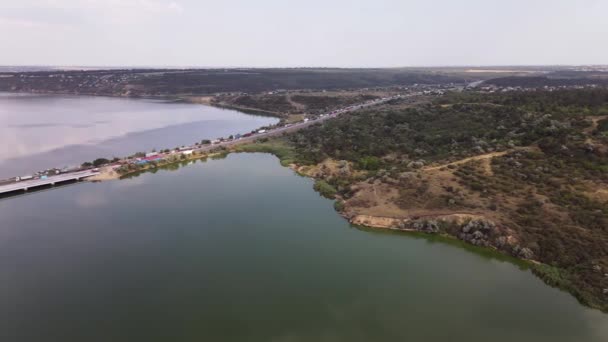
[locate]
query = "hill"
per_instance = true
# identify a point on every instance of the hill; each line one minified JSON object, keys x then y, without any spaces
{"x":523,"y":172}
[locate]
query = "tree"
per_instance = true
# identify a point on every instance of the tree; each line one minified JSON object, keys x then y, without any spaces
{"x":100,"y":161}
{"x":369,"y":163}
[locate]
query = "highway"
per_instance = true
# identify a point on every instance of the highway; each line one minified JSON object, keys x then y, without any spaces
{"x":295,"y":126}
{"x":52,"y":180}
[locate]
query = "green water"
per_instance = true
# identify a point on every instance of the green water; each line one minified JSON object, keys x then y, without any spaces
{"x":241,"y":249}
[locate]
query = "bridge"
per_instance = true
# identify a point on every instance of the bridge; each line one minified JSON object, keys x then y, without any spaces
{"x":35,"y":183}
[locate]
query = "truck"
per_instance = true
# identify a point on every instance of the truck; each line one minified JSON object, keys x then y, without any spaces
{"x":24,"y":178}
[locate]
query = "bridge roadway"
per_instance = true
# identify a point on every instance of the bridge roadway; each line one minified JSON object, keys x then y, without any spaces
{"x":52,"y":180}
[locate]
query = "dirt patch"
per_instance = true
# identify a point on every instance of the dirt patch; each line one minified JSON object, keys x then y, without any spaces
{"x":396,"y":223}
{"x":206,"y":100}
{"x":298,"y":106}
{"x":481,"y":157}
{"x":328,"y":168}
{"x":600,"y":195}
{"x":594,"y":122}
{"x":375,"y":221}
{"x":105,"y":174}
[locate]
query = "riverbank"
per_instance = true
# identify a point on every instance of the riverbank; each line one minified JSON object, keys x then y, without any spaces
{"x":60,"y":133}
{"x":447,"y":225}
{"x":247,"y":220}
{"x":135,"y":164}
{"x":473,"y":229}
{"x":550,"y":275}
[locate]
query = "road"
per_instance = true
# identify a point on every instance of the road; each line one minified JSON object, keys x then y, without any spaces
{"x":33,"y":183}
{"x":296,"y":126}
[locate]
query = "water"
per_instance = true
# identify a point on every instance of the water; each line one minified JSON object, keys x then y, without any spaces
{"x":242,"y":249}
{"x":42,"y":131}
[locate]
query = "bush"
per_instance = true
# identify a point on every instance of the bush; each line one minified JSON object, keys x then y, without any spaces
{"x":100,"y":161}
{"x":602,"y":125}
{"x":369,"y":163}
{"x":325,"y":189}
{"x":339,"y":205}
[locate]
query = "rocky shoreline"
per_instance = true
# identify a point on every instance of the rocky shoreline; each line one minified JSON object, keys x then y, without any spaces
{"x":469,"y":228}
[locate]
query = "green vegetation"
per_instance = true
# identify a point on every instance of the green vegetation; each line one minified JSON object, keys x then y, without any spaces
{"x":293,"y":103}
{"x":560,"y":104}
{"x":602,"y":128}
{"x":100,"y":161}
{"x":561,"y":279}
{"x":602,"y":125}
{"x":559,"y":79}
{"x":540,"y":191}
{"x":269,"y":103}
{"x":325,"y":189}
{"x":321,"y":103}
{"x":339,"y":205}
{"x":369,"y":163}
{"x":278,"y":147}
{"x":222,"y":154}
{"x":554,"y":213}
{"x":430,"y":132}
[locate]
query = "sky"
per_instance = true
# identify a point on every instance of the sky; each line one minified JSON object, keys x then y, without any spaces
{"x":311,"y":33}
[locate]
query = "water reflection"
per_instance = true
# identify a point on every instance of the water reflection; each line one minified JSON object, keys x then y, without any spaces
{"x":42,"y":131}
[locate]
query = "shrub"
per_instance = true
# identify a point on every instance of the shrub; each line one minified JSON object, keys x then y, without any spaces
{"x":325,"y":189}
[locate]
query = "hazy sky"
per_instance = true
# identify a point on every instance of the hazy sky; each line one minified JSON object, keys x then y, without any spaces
{"x":303,"y":33}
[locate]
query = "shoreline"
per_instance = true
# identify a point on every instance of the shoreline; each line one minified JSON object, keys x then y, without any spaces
{"x":545,"y":272}
{"x":548,"y":274}
{"x":190,"y":100}
{"x":387,"y":224}
{"x":205,"y":100}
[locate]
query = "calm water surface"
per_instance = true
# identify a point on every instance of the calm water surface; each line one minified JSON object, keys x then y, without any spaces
{"x":42,"y":131}
{"x":242,"y":249}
